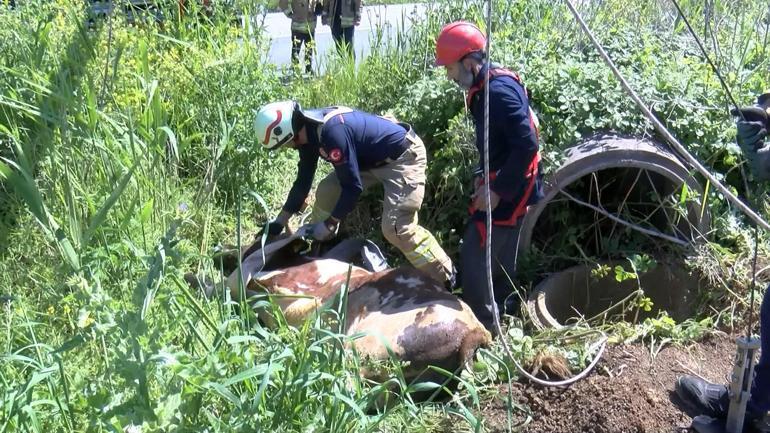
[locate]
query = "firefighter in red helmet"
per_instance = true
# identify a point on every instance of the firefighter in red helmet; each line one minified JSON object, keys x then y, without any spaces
{"x":514,"y":163}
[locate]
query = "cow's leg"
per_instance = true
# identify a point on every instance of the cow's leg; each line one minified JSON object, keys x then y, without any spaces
{"x":361,"y":252}
{"x":404,"y":183}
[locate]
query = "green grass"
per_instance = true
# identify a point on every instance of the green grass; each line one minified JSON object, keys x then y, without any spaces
{"x":127,"y":156}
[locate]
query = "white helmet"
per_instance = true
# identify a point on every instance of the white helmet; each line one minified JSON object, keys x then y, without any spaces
{"x":273,"y":123}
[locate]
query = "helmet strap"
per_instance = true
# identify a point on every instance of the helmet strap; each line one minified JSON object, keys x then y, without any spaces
{"x":478,"y":56}
{"x":297,"y":120}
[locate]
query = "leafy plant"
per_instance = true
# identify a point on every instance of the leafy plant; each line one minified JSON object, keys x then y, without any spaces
{"x":127,"y":154}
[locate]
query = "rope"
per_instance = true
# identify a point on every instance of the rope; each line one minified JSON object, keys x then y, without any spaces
{"x":708,"y":59}
{"x":740,"y":113}
{"x":488,"y":244}
{"x":487,"y":195}
{"x":662,"y":129}
{"x":621,"y":221}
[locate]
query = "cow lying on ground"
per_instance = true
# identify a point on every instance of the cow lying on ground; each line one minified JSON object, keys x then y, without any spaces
{"x":422,"y":323}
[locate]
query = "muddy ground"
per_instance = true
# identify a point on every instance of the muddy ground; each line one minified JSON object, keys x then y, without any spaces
{"x":629,"y":391}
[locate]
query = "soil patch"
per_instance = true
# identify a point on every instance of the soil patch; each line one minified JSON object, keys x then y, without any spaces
{"x":629,"y":391}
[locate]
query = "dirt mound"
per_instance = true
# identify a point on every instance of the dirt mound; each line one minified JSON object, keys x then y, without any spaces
{"x":629,"y":391}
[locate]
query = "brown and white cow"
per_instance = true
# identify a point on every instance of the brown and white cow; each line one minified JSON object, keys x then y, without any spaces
{"x":422,"y":323}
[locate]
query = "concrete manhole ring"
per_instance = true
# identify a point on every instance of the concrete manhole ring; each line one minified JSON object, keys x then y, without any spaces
{"x":571,"y":292}
{"x":575,"y":293}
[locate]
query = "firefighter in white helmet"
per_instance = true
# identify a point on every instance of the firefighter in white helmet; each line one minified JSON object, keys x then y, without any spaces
{"x":365,"y":150}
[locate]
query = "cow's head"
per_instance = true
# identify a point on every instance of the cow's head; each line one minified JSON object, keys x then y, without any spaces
{"x":295,"y":281}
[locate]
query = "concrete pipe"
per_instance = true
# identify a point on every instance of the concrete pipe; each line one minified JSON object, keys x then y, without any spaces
{"x":589,"y":166}
{"x":609,"y":152}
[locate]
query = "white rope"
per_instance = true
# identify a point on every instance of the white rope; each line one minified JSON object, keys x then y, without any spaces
{"x":487,"y":195}
{"x":488,"y":241}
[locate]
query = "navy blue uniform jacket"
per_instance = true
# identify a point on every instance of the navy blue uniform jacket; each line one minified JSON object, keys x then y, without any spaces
{"x":512,"y":143}
{"x":352,"y":142}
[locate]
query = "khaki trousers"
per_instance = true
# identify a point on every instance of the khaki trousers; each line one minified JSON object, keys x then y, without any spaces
{"x":404,"y":183}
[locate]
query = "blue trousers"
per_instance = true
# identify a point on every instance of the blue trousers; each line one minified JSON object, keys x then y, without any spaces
{"x":760,"y":390}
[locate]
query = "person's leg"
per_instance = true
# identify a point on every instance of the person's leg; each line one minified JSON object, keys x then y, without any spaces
{"x":328,"y":192}
{"x":504,"y":271}
{"x":760,"y":390}
{"x":348,"y":37}
{"x":296,"y":45}
{"x":403,"y":182}
{"x":473,"y":268}
{"x":337,"y":34}
{"x":713,"y":400}
{"x":473,"y":276}
{"x":309,"y":48}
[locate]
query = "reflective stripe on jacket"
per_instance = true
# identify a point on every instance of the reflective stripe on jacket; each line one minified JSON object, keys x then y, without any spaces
{"x":302,"y":14}
{"x":351,"y":12}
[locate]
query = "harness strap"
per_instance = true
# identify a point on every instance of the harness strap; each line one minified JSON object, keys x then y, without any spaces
{"x":494,"y":73}
{"x":503,"y":72}
{"x":337,"y":111}
{"x":521,"y":207}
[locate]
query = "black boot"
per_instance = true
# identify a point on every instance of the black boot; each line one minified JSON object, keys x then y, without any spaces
{"x":703,"y":397}
{"x":707,"y":424}
{"x":710,"y":399}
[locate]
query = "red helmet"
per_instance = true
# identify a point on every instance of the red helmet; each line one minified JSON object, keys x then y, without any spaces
{"x":457,"y":40}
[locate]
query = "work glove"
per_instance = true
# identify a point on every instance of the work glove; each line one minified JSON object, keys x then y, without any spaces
{"x":751,"y":137}
{"x":324,"y":230}
{"x":272,"y":228}
{"x":276,"y":226}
